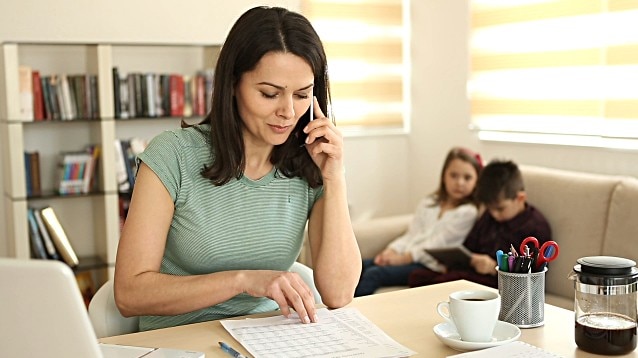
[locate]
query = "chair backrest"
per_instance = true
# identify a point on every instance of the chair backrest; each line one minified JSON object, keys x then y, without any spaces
{"x":307,"y":275}
{"x":106,"y":318}
{"x":108,"y":321}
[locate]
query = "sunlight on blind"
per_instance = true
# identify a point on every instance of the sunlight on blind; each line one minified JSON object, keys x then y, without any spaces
{"x":565,"y":67}
{"x":367,"y":62}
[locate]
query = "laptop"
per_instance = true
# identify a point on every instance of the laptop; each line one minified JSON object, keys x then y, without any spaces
{"x":42,"y":314}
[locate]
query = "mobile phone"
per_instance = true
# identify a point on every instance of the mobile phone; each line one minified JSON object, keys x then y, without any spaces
{"x":304,"y":120}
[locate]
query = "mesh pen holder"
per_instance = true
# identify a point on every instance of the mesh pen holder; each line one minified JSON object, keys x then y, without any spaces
{"x":522,"y":298}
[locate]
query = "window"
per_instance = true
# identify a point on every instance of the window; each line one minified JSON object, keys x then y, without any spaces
{"x":366,"y":44}
{"x":555,"y":71}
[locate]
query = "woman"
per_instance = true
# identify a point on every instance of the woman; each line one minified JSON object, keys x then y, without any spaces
{"x":219,"y":209}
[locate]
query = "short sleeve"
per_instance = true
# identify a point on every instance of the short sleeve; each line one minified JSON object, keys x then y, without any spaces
{"x":162,"y":156}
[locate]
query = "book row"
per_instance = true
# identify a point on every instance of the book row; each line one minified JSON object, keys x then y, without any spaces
{"x":77,"y":172}
{"x":48,"y":241}
{"x":57,"y":96}
{"x":161,"y":95}
{"x":47,"y":237}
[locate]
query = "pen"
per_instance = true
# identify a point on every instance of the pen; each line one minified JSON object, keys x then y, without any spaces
{"x":513,"y":250}
{"x":228,"y":349}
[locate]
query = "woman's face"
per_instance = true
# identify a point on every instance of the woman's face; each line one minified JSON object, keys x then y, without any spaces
{"x":272,"y":97}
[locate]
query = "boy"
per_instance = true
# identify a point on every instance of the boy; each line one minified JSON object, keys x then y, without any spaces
{"x":507,"y":220}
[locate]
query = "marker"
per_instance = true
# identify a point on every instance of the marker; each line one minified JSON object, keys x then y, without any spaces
{"x":499,"y":260}
{"x":228,"y":349}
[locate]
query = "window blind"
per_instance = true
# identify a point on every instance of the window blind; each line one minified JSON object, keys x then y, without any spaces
{"x":365,"y":41}
{"x":563,"y":67}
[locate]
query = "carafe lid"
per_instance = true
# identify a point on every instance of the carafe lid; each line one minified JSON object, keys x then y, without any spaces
{"x":606,"y":266}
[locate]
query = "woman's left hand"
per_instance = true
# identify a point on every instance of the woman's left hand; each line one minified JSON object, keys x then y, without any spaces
{"x":325,"y":144}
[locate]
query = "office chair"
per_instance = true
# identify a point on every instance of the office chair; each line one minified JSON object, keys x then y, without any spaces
{"x":105,"y":316}
{"x":108,"y":321}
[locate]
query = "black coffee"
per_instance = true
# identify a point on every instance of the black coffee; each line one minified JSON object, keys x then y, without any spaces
{"x":475,"y":299}
{"x":616,"y":338}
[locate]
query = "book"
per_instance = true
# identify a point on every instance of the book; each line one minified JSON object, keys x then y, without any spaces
{"x":116,"y":92}
{"x":187,"y":110}
{"x":121,"y":174}
{"x":54,"y":96}
{"x":176,"y":95}
{"x":34,"y":161}
{"x":139,"y":98}
{"x":38,"y":250}
{"x":79,"y":93}
{"x":59,"y":236}
{"x":25,"y":77}
{"x":95,"y":101}
{"x":27,"y":174}
{"x":132,"y":105}
{"x":38,"y":99}
{"x":149,"y":94}
{"x":91,"y":169}
{"x":46,"y":97}
{"x":124,"y":97}
{"x":452,"y":257}
{"x":68,"y":98}
{"x":52,"y":252}
{"x":129,"y":162}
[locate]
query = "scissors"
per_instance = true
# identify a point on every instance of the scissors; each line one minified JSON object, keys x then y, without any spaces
{"x":546,"y":253}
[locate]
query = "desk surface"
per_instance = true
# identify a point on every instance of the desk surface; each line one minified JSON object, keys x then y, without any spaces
{"x":408,"y":316}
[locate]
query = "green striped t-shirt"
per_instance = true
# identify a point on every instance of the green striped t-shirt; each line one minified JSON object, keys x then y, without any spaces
{"x":242,"y":225}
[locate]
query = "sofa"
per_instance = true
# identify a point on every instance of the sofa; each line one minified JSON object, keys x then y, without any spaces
{"x":590,"y":215}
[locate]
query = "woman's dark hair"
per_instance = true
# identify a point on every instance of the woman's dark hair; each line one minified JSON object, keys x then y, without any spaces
{"x":468,"y":156}
{"x":257,"y":32}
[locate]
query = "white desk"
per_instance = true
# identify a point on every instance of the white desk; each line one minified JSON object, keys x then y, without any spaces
{"x":408,"y":316}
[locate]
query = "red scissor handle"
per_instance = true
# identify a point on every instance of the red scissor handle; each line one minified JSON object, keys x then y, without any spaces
{"x":527,"y":240}
{"x":544,"y":255}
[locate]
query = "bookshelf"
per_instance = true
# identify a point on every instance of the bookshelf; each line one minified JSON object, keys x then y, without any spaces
{"x":91,"y":220}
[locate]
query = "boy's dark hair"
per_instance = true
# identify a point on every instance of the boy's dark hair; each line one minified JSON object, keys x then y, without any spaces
{"x":499,"y":180}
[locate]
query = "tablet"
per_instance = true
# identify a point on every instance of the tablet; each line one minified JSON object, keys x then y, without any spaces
{"x":456,"y":257}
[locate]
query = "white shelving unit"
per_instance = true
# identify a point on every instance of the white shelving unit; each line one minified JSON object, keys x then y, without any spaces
{"x":91,"y":221}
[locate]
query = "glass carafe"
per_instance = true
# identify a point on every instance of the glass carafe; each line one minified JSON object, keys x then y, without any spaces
{"x":605,"y":304}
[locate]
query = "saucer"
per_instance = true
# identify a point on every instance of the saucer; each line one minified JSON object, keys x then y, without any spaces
{"x":503,"y":333}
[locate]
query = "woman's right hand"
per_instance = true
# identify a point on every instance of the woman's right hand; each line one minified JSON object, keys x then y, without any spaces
{"x":288,"y":289}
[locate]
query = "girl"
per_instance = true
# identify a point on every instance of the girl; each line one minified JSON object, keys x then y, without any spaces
{"x":442,"y":219}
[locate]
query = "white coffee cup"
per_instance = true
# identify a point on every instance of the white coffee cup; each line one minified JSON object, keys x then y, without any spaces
{"x":474,"y":313}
